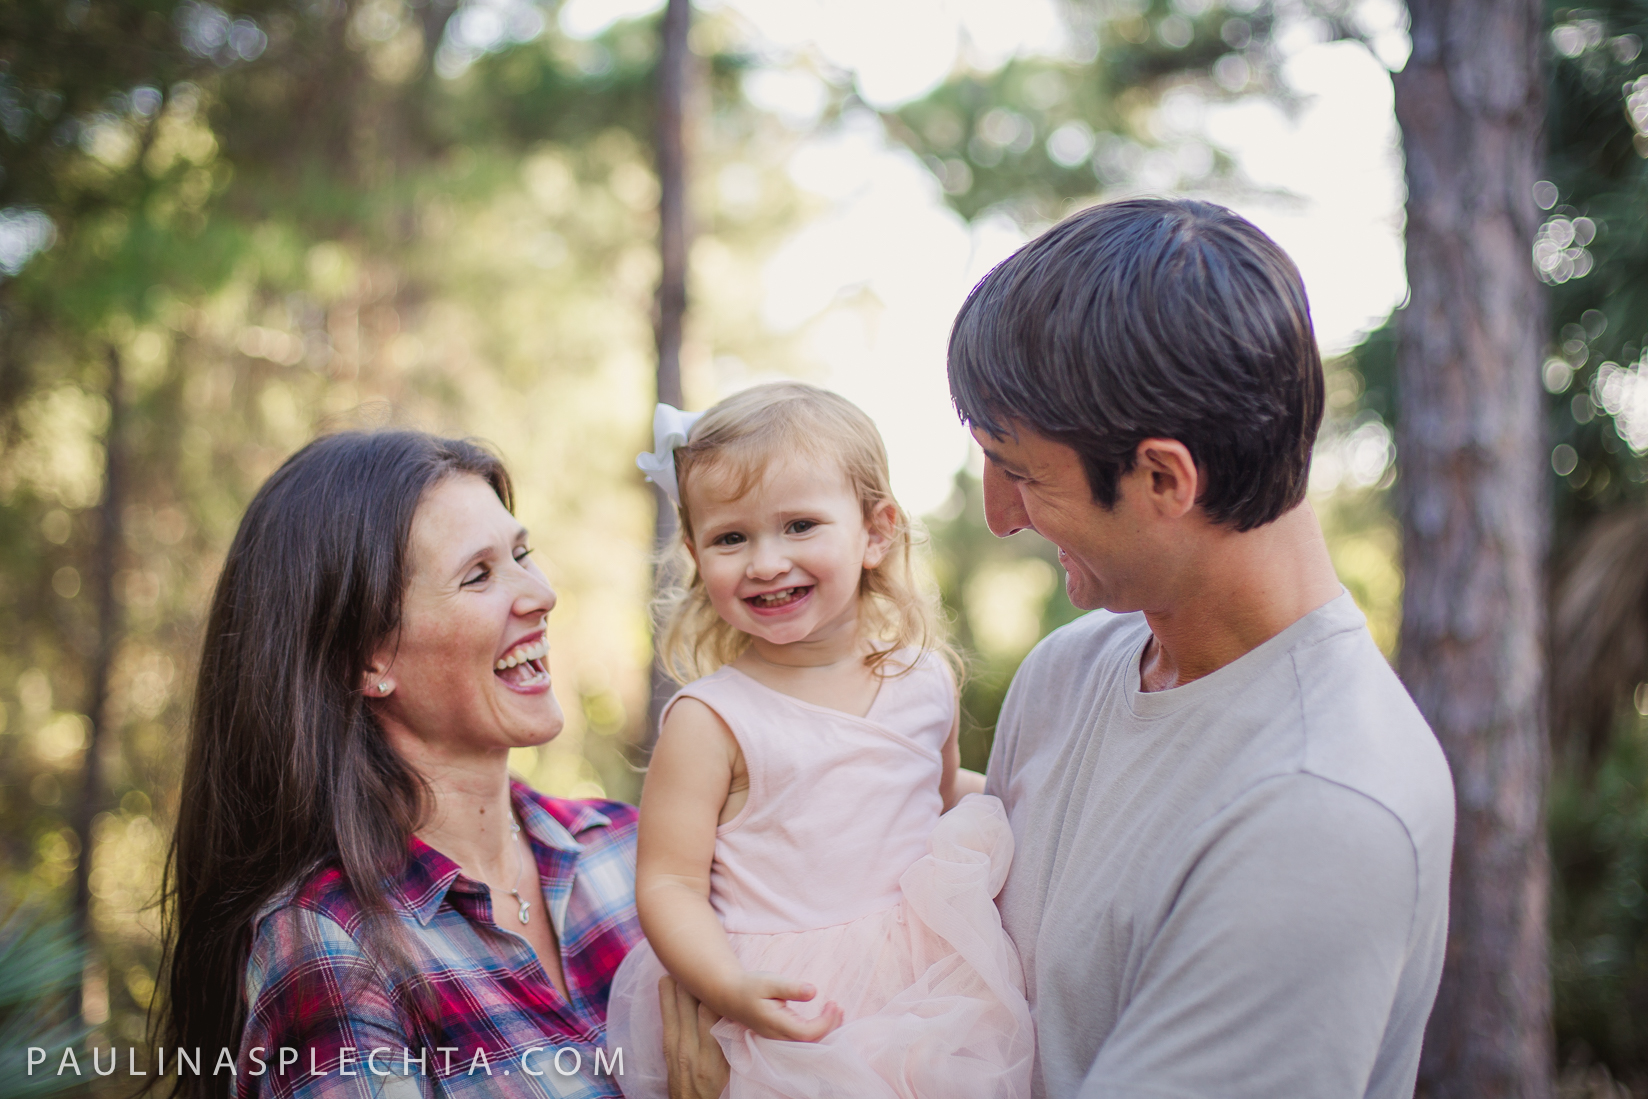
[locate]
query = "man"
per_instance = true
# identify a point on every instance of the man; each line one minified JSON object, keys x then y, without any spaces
{"x":1233,"y":826}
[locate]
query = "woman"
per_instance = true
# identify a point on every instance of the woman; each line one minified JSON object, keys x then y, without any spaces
{"x":364,"y":903}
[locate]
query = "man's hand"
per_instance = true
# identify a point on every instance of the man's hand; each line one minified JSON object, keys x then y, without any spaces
{"x":697,"y":1067}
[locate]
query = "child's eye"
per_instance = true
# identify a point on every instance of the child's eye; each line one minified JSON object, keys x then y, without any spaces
{"x":802,"y":526}
{"x":732,"y":538}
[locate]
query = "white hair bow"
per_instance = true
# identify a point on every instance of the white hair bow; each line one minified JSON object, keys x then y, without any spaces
{"x":670,"y":428}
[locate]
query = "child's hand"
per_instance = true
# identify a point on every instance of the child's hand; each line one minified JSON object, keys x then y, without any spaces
{"x":761,"y":1003}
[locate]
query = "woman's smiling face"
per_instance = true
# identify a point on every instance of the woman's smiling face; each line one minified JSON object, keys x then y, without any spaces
{"x":468,"y":670}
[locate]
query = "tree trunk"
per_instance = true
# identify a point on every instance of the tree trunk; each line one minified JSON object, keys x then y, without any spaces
{"x":1475,"y":521}
{"x":671,"y":305}
{"x":110,"y":539}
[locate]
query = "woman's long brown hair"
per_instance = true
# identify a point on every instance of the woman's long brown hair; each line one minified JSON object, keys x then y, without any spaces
{"x":286,"y":769}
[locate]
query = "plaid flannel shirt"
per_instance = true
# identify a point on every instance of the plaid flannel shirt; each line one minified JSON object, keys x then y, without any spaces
{"x":323,"y":1024}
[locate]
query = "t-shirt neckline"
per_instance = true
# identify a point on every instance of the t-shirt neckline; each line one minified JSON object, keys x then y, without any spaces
{"x":1335,"y":616}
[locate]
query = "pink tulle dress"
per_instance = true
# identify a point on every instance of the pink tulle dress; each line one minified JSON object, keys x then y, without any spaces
{"x":840,"y":871}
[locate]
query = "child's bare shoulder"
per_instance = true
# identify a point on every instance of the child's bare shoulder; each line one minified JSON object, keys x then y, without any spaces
{"x":692,"y":727}
{"x":693,"y":716}
{"x":696,"y":756}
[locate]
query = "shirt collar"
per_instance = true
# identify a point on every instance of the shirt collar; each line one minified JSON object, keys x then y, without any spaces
{"x":551,"y":822}
{"x":428,"y":875}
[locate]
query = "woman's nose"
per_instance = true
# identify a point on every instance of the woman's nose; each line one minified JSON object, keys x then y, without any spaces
{"x":533,"y":595}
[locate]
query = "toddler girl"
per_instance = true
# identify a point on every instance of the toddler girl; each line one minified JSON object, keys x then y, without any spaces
{"x":791,"y":846}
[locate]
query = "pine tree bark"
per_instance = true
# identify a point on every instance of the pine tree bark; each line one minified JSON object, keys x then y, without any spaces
{"x":670,"y":308}
{"x":111,"y":537}
{"x":672,"y":197}
{"x":1475,"y":521}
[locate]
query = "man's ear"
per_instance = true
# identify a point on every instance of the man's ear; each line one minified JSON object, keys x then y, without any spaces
{"x":882,"y":525}
{"x":1168,"y":475}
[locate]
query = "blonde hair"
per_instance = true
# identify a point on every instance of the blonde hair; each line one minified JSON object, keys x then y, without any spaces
{"x":738,"y":439}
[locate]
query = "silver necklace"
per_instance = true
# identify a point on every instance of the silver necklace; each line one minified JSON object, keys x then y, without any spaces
{"x":520,"y":868}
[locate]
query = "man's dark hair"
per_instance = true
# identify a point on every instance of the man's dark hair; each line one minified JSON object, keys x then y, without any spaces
{"x":1151,"y":318}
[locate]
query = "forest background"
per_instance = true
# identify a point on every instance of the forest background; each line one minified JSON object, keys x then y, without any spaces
{"x":224,"y":229}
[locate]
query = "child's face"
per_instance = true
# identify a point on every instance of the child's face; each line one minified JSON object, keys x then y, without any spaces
{"x":783,"y":561}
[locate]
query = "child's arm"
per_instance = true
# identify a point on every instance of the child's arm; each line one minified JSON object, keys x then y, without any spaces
{"x":687,"y":785}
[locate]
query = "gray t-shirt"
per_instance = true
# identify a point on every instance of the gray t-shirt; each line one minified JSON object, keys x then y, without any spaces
{"x":1238,"y":887}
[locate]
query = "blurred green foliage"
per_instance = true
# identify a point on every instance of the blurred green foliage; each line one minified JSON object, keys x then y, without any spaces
{"x":1002,"y":595}
{"x":1598,"y":114}
{"x":1040,"y":135}
{"x":1599,"y":914}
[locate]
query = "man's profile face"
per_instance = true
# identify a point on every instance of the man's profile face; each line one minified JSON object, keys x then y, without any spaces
{"x":1034,"y":483}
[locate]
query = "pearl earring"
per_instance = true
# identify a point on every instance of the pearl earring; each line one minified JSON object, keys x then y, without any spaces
{"x":383,"y":688}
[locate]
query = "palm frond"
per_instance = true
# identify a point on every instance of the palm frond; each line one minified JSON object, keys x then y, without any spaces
{"x":37,"y":958}
{"x":40,"y":961}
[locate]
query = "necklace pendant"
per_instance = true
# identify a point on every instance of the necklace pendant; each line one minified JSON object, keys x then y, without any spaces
{"x":520,"y":869}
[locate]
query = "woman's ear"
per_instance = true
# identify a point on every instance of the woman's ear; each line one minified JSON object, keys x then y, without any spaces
{"x":376,"y":682}
{"x":882,"y":526}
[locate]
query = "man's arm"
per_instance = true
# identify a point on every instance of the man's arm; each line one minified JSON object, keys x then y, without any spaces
{"x":696,"y":1065}
{"x":1276,"y":968}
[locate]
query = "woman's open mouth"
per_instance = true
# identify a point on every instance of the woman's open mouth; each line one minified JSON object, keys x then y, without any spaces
{"x":785,"y":598}
{"x":525,"y":667}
